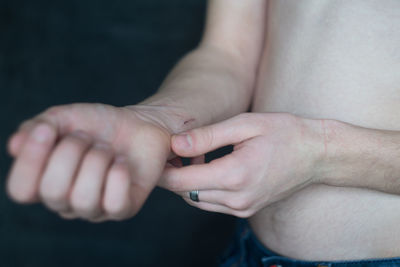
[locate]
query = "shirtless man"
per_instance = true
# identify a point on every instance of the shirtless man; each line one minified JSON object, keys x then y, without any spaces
{"x":315,"y":167}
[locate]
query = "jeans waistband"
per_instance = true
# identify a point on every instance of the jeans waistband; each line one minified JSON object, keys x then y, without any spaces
{"x":254,"y":253}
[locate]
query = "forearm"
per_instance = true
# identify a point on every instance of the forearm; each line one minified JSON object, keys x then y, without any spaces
{"x":206,"y":86}
{"x":361,"y":157}
{"x":216,"y":80}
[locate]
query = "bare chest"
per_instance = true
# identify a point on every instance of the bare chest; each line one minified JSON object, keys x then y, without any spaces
{"x":333,"y":59}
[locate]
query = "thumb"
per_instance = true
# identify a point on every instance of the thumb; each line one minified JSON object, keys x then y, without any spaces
{"x":208,"y":138}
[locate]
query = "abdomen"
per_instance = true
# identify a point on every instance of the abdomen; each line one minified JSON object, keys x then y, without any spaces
{"x":337,"y":60}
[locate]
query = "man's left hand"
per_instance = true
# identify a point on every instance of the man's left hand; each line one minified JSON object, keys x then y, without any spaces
{"x":275,"y":155}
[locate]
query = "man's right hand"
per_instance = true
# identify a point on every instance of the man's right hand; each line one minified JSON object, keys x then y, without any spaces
{"x":89,"y":161}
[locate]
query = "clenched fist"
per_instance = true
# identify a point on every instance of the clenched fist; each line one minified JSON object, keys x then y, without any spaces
{"x":89,"y":161}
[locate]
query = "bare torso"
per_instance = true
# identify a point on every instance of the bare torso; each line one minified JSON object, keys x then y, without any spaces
{"x":338,"y":60}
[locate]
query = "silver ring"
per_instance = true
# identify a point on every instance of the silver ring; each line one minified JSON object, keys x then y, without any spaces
{"x":194,"y":195}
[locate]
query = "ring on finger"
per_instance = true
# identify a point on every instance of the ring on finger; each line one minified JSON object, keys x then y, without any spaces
{"x":194,"y":195}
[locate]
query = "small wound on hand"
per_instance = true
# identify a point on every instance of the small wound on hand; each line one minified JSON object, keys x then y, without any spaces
{"x":188,"y":121}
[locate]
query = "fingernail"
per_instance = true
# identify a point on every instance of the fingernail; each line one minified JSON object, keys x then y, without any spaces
{"x":183,"y":140}
{"x":42,"y":133}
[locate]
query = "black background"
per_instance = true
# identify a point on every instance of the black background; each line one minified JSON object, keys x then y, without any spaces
{"x":114,"y":52}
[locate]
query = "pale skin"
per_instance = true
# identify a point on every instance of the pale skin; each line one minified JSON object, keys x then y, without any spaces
{"x":99,"y":162}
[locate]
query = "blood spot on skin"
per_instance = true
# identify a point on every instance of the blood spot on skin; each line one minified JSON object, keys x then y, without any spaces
{"x":188,"y":121}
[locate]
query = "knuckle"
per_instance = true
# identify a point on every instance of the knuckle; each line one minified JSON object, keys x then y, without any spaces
{"x":244,"y":213}
{"x":95,"y":155}
{"x":236,"y":182}
{"x":72,"y":144}
{"x":236,"y":174}
{"x":174,"y":183}
{"x":81,"y":203}
{"x":239,"y":203}
{"x":51,"y":112}
{"x":114,"y":210}
{"x":52,"y":195}
{"x":202,"y":138}
{"x":209,"y":137}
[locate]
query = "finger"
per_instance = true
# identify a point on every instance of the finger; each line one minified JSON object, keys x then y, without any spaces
{"x":52,"y":116}
{"x":220,"y":197}
{"x":87,"y":190}
{"x":205,"y":139}
{"x":27,"y":169}
{"x":177,"y":162}
{"x":61,"y":170}
{"x":16,"y":141}
{"x":219,"y":208}
{"x":116,"y":201}
{"x":232,"y":200}
{"x":210,"y":176}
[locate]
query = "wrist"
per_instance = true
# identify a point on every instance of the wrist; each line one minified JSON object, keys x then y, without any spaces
{"x":333,"y":152}
{"x":342,"y":149}
{"x":171,"y":117}
{"x":330,"y":151}
{"x":360,"y":157}
{"x":314,"y":146}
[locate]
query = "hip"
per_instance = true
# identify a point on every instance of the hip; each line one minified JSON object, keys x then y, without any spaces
{"x":247,"y":251}
{"x":331,"y":223}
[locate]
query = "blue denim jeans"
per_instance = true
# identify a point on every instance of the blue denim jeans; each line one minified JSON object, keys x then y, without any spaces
{"x":247,"y":251}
